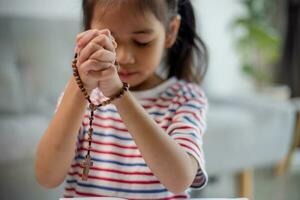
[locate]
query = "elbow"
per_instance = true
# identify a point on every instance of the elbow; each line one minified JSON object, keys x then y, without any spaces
{"x":45,"y":182}
{"x":180,"y":185}
{"x":44,"y":179}
{"x":178,"y":188}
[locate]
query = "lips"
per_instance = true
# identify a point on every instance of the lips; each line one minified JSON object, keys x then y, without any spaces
{"x":126,"y":75}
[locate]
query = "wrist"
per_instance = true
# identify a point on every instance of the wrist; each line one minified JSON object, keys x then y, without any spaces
{"x":119,"y":101}
{"x":75,"y":88}
{"x":123,"y":91}
{"x":114,"y":90}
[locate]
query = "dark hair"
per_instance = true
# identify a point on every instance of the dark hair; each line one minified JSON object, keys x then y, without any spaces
{"x":187,"y":58}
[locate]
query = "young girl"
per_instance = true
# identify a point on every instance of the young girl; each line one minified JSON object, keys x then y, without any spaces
{"x":146,"y":144}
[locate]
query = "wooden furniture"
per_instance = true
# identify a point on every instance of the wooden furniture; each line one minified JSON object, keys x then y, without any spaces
{"x":284,"y":164}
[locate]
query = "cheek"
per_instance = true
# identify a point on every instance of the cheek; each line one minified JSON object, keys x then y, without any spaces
{"x":152,"y":55}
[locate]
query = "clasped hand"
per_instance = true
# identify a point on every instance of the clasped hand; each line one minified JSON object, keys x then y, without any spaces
{"x":96,"y":61}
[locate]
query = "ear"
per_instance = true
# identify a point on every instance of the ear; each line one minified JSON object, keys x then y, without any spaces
{"x":172,"y":31}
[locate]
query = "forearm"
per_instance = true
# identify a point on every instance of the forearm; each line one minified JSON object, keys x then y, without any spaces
{"x":57,"y":145}
{"x":167,"y":160}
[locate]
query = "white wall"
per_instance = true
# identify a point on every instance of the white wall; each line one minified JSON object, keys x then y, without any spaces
{"x":224,"y":75}
{"x":41,"y":8}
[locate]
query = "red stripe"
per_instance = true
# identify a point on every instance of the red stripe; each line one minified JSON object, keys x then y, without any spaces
{"x":107,"y":126}
{"x":192,"y":113}
{"x":187,"y":112}
{"x":120,"y":121}
{"x":192,"y":90}
{"x":114,"y":171}
{"x":167,"y":119}
{"x":164,"y":100}
{"x":181,"y":128}
{"x":195,"y":89}
{"x":109,"y":144}
{"x":112,"y":127}
{"x":84,"y":194}
{"x":110,"y":153}
{"x":176,"y":197}
{"x":104,"y":118}
{"x":190,"y":149}
{"x":186,"y":139}
{"x":96,"y":195}
{"x":156,"y":106}
{"x":198,"y":101}
{"x":116,"y":119}
{"x":173,"y":101}
{"x":116,"y":180}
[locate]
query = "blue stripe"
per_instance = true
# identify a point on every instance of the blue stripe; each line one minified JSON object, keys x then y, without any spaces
{"x":192,"y":106}
{"x":190,"y":133}
{"x":107,"y":110}
{"x":169,"y":94}
{"x":188,"y":119}
{"x":109,"y":135}
{"x":162,"y":113}
{"x":157,"y":113}
{"x":152,"y":113}
{"x":116,"y":189}
{"x":80,"y":157}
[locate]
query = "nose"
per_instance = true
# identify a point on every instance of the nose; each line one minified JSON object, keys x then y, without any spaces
{"x":124,"y":55}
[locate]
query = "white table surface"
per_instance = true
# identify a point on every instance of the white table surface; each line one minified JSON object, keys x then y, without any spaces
{"x":113,"y":198}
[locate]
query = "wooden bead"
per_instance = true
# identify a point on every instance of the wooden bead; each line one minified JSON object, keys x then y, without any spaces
{"x":80,"y":85}
{"x":93,"y":107}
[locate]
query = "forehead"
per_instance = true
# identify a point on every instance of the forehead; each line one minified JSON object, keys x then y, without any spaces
{"x":123,"y":18}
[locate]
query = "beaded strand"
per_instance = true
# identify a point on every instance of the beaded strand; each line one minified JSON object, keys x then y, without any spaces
{"x":87,"y":163}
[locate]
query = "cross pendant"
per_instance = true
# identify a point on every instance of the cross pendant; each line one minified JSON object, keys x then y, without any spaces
{"x":87,"y":163}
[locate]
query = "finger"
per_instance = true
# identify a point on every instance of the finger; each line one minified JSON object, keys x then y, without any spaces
{"x":79,"y":35}
{"x":114,"y":43}
{"x":93,"y":65}
{"x":103,"y":31}
{"x":104,"y":41}
{"x":87,"y":36}
{"x":87,"y":51}
{"x":95,"y":51}
{"x":103,"y":74}
{"x":104,"y":55}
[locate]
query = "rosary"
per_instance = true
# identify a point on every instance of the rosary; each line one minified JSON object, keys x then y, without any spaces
{"x":87,"y":163}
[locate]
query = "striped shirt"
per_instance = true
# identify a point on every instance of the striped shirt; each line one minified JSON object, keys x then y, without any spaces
{"x":119,"y":170}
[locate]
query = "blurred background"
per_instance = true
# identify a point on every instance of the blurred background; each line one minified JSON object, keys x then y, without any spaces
{"x":253,"y":86}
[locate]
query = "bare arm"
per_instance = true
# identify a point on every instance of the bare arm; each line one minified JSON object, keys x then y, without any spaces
{"x":57,"y":146}
{"x":167,"y":160}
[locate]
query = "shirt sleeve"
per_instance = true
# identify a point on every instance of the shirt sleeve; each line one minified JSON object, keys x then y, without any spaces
{"x":187,"y":129}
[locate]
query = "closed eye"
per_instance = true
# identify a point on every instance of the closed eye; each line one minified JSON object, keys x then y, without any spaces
{"x":142,"y":44}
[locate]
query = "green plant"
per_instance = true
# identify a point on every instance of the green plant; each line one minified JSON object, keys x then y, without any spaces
{"x":258,"y":42}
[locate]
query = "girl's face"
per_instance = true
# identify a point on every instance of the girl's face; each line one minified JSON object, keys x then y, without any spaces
{"x":141,"y":40}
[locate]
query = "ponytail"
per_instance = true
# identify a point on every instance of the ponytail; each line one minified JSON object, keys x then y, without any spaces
{"x":187,"y":58}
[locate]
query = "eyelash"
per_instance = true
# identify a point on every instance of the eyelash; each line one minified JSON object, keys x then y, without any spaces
{"x":141,"y":44}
